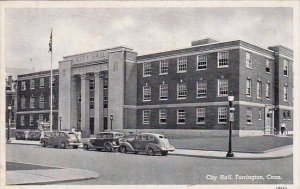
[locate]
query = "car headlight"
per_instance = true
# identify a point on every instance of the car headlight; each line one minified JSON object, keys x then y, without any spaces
{"x":114,"y":143}
{"x":88,"y":140}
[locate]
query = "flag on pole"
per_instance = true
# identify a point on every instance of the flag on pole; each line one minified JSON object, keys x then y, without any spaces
{"x":50,"y":43}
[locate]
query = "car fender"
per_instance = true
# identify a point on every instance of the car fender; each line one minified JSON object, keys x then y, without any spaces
{"x":46,"y":140}
{"x":128,"y":146}
{"x":155,"y":147}
{"x":85,"y":141}
{"x":63,"y":140}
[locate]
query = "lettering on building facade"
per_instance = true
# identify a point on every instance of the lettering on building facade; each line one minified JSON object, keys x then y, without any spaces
{"x":90,"y":69}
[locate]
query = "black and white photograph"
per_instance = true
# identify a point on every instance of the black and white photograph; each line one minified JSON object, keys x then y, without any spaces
{"x":149,"y":94}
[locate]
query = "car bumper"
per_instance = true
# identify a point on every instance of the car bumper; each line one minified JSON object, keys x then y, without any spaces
{"x":74,"y":144}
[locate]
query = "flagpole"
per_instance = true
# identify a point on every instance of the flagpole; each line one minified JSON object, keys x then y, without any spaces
{"x":51,"y":83}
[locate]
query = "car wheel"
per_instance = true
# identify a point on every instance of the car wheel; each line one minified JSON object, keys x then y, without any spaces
{"x":86,"y":147}
{"x":150,"y":152}
{"x":123,"y":149}
{"x":44,"y":144}
{"x":63,"y":145}
{"x":164,"y":153}
{"x":75,"y":147}
{"x":108,"y":148}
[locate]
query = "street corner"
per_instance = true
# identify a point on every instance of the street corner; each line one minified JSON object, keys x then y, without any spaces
{"x":32,"y":174}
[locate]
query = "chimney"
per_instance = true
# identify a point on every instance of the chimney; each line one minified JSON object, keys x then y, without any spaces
{"x":203,"y":41}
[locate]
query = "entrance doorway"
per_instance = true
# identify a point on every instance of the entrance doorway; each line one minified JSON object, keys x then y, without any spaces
{"x":269,"y":121}
{"x":91,"y":125}
{"x":105,"y":123}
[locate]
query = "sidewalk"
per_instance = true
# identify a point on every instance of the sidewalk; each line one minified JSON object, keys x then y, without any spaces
{"x":46,"y":175}
{"x":280,"y":152}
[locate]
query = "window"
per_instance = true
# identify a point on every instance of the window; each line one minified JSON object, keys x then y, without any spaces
{"x":180,"y":117}
{"x":105,"y":83}
{"x":249,"y":115}
{"x":222,"y":87}
{"x":268,"y":90}
{"x":248,"y":60}
{"x":287,"y":115}
{"x":162,"y":116}
{"x":285,"y":67}
{"x":105,"y":102}
{"x":23,"y":103}
{"x":268,"y":66}
{"x":163,"y":67}
{"x":147,"y":69}
{"x":285,"y":93}
{"x":53,"y":81}
{"x":146,"y":116}
{"x":31,"y":119}
{"x":222,"y":59}
{"x":23,"y":86}
{"x":222,"y":115}
{"x":92,"y":84}
{"x":181,"y":90}
{"x":181,"y":65}
{"x":42,"y":101}
{"x":41,"y":117}
{"x":259,"y":89}
{"x":248,"y":87}
{"x":53,"y":99}
{"x":201,"y":89}
{"x":259,"y":114}
{"x":200,"y":115}
{"x":91,"y":103}
{"x":42,"y":82}
{"x":163,"y":92}
{"x":22,"y":119}
{"x":32,"y":84}
{"x":146,"y":93}
{"x":201,"y":62}
{"x":32,"y":101}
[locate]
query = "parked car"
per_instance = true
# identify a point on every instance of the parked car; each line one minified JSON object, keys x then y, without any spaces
{"x":150,"y":143}
{"x":62,"y":139}
{"x":108,"y":141}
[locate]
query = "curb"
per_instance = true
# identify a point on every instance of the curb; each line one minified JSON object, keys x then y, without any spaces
{"x":217,"y":157}
{"x":232,"y":158}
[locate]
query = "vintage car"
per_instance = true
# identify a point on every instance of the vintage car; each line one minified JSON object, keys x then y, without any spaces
{"x":62,"y":139}
{"x":150,"y":143}
{"x":108,"y":141}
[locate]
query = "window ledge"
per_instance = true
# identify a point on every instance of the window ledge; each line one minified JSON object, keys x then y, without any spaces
{"x":201,"y":97}
{"x":181,"y":98}
{"x":180,"y":123}
{"x":181,"y":71}
{"x":248,"y":96}
{"x":201,"y":69}
{"x":147,"y":75}
{"x":223,"y":66}
{"x":200,"y":123}
{"x":222,"y":96}
{"x":222,"y":123}
{"x":268,"y":73}
{"x":163,"y":99}
{"x":146,"y":100}
{"x":249,"y":68}
{"x":249,"y":123}
{"x":163,"y":74}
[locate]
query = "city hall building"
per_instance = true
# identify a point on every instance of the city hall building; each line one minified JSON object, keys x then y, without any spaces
{"x":182,"y":91}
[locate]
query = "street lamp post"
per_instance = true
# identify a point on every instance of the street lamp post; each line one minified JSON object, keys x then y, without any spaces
{"x":9,"y":122}
{"x":231,"y":119}
{"x":111,"y":120}
{"x":59,"y":122}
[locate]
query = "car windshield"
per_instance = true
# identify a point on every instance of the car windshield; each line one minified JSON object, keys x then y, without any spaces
{"x":72,"y":136}
{"x":118,"y":135}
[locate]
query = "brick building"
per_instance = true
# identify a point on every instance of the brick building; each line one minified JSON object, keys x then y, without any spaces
{"x":183,"y":90}
{"x":34,"y":99}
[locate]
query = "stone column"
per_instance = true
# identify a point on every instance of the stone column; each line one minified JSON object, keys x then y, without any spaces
{"x":98,"y":109}
{"x":74,"y":99}
{"x":85,"y":104}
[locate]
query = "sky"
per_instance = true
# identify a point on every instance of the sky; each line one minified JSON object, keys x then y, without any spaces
{"x":146,"y":30}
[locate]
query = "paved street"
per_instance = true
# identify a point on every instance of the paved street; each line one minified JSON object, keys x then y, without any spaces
{"x":116,"y":168}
